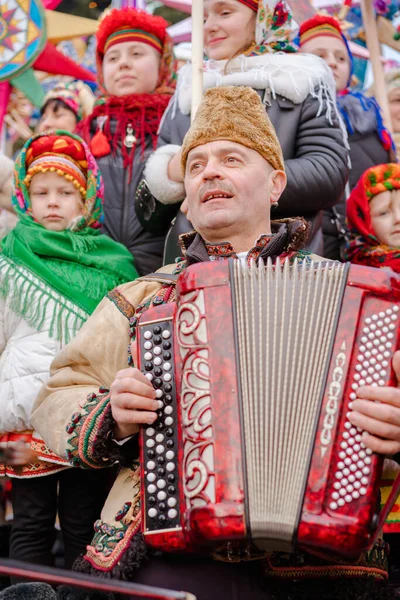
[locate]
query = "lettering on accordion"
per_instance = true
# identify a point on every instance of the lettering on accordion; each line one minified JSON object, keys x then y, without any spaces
{"x":195,"y":402}
{"x":335,"y":391}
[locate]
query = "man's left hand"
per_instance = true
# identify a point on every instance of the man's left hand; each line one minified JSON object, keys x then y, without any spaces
{"x":381,"y":417}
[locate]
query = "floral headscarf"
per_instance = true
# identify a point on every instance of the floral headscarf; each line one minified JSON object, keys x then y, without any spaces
{"x":61,"y":142}
{"x":275,"y":28}
{"x":364,"y":247}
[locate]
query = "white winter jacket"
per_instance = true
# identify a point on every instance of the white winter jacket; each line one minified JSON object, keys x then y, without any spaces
{"x":25,"y":358}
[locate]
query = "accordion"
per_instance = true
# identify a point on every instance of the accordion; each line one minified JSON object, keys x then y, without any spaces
{"x":255,"y":368}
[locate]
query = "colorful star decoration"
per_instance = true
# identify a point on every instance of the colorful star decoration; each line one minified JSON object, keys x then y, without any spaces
{"x":22,"y":36}
{"x":25,"y":45}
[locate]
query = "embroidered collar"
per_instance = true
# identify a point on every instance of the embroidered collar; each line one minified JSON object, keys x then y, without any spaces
{"x":226,"y":250}
{"x":288,"y":235}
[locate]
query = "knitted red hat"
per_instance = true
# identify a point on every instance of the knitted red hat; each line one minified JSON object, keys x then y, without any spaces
{"x":320,"y":25}
{"x":59,"y":154}
{"x":127,"y":23}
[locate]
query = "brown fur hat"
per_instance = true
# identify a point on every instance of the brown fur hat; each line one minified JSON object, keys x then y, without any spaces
{"x":234,"y":114}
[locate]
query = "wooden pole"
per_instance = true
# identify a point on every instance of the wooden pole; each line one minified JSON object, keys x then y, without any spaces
{"x":197,"y":54}
{"x":371,"y":35}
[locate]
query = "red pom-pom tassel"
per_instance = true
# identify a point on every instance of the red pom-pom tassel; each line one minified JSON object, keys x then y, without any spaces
{"x":99,"y":144}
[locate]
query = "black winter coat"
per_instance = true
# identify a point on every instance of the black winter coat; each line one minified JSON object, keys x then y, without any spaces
{"x":120,"y":219}
{"x":366,"y":150}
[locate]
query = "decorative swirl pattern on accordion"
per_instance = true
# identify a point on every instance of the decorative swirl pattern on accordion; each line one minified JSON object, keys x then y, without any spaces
{"x":195,"y":406}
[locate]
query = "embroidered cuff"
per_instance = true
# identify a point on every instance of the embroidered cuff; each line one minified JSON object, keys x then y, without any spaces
{"x":89,"y":431}
{"x":156,"y":175}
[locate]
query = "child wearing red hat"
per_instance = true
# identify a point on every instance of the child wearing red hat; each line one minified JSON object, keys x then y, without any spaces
{"x":55,"y":267}
{"x":135,"y":70}
{"x":370,"y":143}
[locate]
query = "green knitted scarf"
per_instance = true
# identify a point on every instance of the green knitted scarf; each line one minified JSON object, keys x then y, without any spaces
{"x":69,"y":270}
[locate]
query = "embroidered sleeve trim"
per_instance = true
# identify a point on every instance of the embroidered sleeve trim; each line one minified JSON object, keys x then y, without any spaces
{"x":89,"y":432}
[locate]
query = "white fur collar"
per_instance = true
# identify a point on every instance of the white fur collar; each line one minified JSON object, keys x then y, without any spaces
{"x":293,"y":76}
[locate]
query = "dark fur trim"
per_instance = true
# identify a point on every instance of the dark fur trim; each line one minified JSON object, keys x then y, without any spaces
{"x":125,"y":569}
{"x":105,"y":447}
{"x":29,"y":591}
{"x":67,"y":593}
{"x":299,"y":232}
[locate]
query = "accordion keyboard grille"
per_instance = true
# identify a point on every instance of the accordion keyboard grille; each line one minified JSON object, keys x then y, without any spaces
{"x":286,"y":321}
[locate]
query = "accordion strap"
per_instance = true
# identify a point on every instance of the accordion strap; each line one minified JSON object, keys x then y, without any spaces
{"x":160,"y":277}
{"x":395,"y":491}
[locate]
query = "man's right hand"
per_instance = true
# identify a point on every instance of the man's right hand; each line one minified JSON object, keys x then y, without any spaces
{"x":133,"y":402}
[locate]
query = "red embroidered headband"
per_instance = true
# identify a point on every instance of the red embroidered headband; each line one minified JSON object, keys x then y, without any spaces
{"x":317,"y":26}
{"x":133,"y":35}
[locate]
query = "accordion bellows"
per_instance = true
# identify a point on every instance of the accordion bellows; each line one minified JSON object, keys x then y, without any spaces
{"x":255,"y":368}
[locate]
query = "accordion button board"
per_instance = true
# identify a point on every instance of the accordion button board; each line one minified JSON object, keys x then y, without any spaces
{"x":160,"y":443}
{"x":372,"y":367}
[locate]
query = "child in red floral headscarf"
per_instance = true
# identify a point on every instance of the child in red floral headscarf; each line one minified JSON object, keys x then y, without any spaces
{"x":373,"y":214}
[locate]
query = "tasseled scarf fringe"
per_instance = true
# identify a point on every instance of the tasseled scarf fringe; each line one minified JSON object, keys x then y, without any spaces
{"x":31,"y":299}
{"x":141,"y":112}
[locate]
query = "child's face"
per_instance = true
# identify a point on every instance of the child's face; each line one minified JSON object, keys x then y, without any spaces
{"x":229,"y":27}
{"x":55,"y":201}
{"x":131,"y":68}
{"x":385,"y":217}
{"x":334,"y":53}
{"x":56,"y":116}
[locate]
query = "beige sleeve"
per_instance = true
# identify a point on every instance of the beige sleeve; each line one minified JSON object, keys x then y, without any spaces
{"x":89,"y":362}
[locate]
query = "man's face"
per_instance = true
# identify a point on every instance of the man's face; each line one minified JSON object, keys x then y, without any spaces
{"x":385,"y":217}
{"x":334,"y":52}
{"x":229,"y":189}
{"x":131,"y":68}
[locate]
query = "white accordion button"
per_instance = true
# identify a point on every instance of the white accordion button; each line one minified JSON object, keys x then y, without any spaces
{"x":168,"y":410}
{"x":172,"y":513}
{"x":167,"y":366}
{"x":157,"y":350}
{"x":157,"y":361}
{"x":147,"y":335}
{"x":355,"y":494}
{"x":341,"y":502}
{"x":333,"y":506}
{"x":152,"y":512}
{"x":159,"y":437}
{"x":148,"y":345}
{"x":167,"y":377}
{"x":151,"y":488}
{"x":160,"y":449}
{"x":170,"y":466}
{"x":150,"y":443}
{"x":170,"y":455}
{"x":148,"y":356}
{"x":168,"y":421}
{"x":149,"y":376}
{"x":161,"y":495}
{"x":166,"y":334}
{"x":150,"y":431}
{"x":171,"y":502}
{"x":151,"y":465}
{"x":159,"y":393}
{"x":151,"y":477}
{"x":161,"y":484}
{"x":363,"y":491}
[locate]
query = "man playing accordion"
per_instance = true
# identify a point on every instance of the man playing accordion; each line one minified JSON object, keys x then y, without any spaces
{"x":97,"y":400}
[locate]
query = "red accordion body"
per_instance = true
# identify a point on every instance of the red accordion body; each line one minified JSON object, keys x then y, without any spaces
{"x":196,"y":467}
